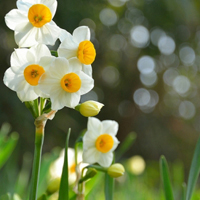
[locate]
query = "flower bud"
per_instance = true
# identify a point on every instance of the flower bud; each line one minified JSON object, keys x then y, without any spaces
{"x":89,"y":108}
{"x":53,"y":186}
{"x":116,"y":170}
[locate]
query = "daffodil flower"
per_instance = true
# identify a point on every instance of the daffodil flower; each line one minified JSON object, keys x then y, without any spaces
{"x":27,"y":66}
{"x":32,"y":22}
{"x":65,"y":82}
{"x":78,"y":45}
{"x":100,"y":141}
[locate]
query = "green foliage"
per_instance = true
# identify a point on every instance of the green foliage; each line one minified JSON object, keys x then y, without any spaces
{"x":166,"y":179}
{"x":7,"y":143}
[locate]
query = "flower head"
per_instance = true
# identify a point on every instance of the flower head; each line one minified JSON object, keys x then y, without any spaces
{"x":27,"y":66}
{"x":32,"y":22}
{"x":100,"y":141}
{"x":89,"y":108}
{"x":78,"y":45}
{"x":64,"y":82}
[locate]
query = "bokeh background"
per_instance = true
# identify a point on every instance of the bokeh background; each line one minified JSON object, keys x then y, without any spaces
{"x":146,"y":73}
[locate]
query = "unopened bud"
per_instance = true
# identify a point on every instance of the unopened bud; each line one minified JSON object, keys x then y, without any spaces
{"x":53,"y":186}
{"x":89,"y":108}
{"x":116,"y":170}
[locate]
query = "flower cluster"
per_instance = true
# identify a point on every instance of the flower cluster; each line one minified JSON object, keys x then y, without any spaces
{"x":35,"y":73}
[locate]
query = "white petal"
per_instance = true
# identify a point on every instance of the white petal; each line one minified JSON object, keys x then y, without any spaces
{"x":89,"y":139}
{"x":116,"y":142}
{"x":40,"y":50}
{"x":91,"y":156}
{"x":94,"y":125}
{"x":12,"y":80}
{"x":28,"y":94}
{"x":60,"y":67}
{"x":110,"y":127}
{"x":24,"y":6}
{"x":105,"y":159}
{"x":81,"y":33}
{"x":73,"y":100}
{"x":46,"y":62}
{"x":18,"y":60}
{"x":87,"y":83}
{"x":14,"y":18}
{"x":56,"y":100}
{"x":25,"y":35}
{"x":64,"y":34}
{"x":48,"y":34}
{"x":87,"y":69}
{"x":74,"y":65}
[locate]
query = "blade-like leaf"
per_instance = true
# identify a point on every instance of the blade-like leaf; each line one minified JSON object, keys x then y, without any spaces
{"x":194,"y":171}
{"x":7,"y":148}
{"x":166,"y":179}
{"x":64,"y":184}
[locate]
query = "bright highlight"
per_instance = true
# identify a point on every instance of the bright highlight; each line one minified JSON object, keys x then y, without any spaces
{"x":71,"y":82}
{"x":32,"y":74}
{"x":86,"y":52}
{"x":104,"y":143}
{"x":39,"y":15}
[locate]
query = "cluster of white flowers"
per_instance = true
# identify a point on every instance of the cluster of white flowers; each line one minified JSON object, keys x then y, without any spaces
{"x":34,"y":72}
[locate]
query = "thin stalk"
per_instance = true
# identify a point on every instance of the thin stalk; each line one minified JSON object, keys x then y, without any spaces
{"x":39,"y":138}
{"x":36,"y":107}
{"x":42,"y":103}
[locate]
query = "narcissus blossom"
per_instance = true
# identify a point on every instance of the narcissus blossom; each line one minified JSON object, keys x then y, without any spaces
{"x":65,"y":82}
{"x":32,"y":22}
{"x":27,"y":66}
{"x":100,"y":141}
{"x":78,"y":45}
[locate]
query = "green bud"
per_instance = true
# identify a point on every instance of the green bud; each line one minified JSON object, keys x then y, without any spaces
{"x":53,"y":186}
{"x":89,"y":108}
{"x":91,"y":172}
{"x":116,"y":170}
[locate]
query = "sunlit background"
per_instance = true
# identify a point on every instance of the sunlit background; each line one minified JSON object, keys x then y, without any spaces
{"x":146,"y":73}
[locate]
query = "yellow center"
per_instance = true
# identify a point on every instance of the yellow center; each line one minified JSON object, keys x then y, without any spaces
{"x":104,"y":143}
{"x":72,"y":168}
{"x":39,"y":15}
{"x":71,"y":82}
{"x":32,"y":74}
{"x":86,"y":52}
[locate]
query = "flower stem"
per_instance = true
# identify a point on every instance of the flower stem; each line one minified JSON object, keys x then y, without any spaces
{"x":39,"y":138}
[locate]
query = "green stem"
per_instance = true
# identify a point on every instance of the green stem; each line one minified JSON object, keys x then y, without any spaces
{"x":36,"y":107}
{"x":42,"y":103}
{"x":39,"y":138}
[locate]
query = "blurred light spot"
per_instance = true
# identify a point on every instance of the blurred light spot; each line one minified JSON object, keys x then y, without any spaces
{"x":92,"y":95}
{"x":136,"y":165}
{"x":110,"y":75}
{"x":166,"y":45}
{"x":181,"y":84}
{"x":117,"y":42}
{"x":170,"y":75}
{"x":108,"y":17}
{"x":169,"y":59}
{"x":141,"y":97}
{"x":88,"y":22}
{"x":187,"y":109}
{"x":124,"y":26}
{"x":187,"y":55}
{"x":117,"y":3}
{"x":149,"y":79}
{"x":126,"y":108}
{"x":146,"y":64}
{"x":139,"y":36}
{"x":132,"y":14}
{"x":156,"y":34}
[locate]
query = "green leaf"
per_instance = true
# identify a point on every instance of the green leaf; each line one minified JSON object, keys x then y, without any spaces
{"x":5,"y":197}
{"x":43,"y":197}
{"x":183,"y":191}
{"x":64,"y":184}
{"x":7,"y":148}
{"x":166,"y":179}
{"x":194,"y":171}
{"x":109,"y":187}
{"x":54,"y":53}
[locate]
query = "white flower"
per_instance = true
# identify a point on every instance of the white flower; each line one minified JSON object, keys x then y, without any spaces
{"x":99,"y":141}
{"x":27,"y":66}
{"x":78,"y":45}
{"x":57,"y":166}
{"x":32,"y":22}
{"x":64,"y":82}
